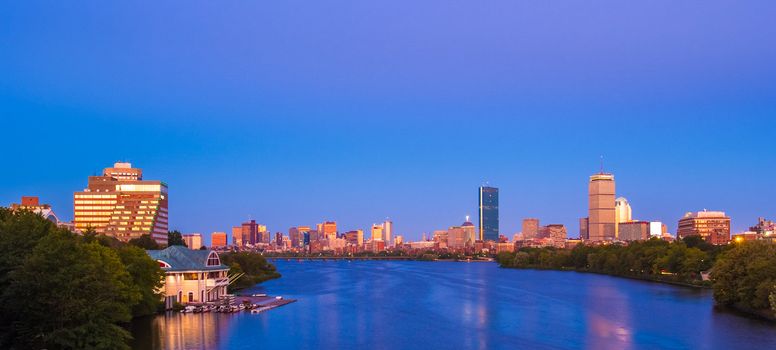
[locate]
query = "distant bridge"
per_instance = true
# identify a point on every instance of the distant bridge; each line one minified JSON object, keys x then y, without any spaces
{"x":300,"y":258}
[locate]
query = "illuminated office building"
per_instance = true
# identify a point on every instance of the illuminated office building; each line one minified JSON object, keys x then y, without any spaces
{"x":712,"y":226}
{"x":388,"y":232}
{"x":218,"y":240}
{"x":488,"y":208}
{"x":328,"y":229}
{"x":622,"y":210}
{"x":121,"y":204}
{"x":530,"y":228}
{"x":193,"y":240}
{"x":377,"y":232}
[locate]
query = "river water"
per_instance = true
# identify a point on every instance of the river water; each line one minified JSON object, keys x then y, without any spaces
{"x":453,"y":305}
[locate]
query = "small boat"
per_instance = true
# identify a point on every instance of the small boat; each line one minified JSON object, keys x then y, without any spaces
{"x":279,"y":298}
{"x":189,"y":309}
{"x":259,"y":295}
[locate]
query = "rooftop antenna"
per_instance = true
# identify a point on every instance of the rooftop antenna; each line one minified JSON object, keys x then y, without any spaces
{"x":602,"y":164}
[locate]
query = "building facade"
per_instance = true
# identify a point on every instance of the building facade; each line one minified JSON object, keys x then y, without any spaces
{"x":712,"y":226}
{"x":121,"y":204}
{"x":218,"y":240}
{"x":388,"y":232}
{"x":488,"y":210}
{"x":193,"y":240}
{"x":602,"y":224}
{"x":32,"y":203}
{"x":530,"y":228}
{"x":191,"y":276}
{"x":634,"y":231}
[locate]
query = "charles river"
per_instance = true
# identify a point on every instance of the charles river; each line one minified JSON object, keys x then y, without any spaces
{"x":457,"y":305}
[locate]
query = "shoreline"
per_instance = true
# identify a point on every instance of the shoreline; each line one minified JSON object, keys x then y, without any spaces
{"x":636,"y":278}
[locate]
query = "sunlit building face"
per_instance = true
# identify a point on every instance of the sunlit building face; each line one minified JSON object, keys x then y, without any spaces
{"x":121,"y":204}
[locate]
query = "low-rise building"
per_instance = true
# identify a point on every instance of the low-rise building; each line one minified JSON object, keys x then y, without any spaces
{"x":712,"y":226}
{"x":191,"y":276}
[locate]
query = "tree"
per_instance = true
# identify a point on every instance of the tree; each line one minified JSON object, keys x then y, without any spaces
{"x":175,"y":238}
{"x":71,"y":295}
{"x":147,"y":278}
{"x":145,"y":242}
{"x":744,"y":276}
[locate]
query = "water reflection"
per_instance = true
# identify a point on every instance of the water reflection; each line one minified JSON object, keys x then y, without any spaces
{"x":398,"y":305}
{"x":181,"y":331}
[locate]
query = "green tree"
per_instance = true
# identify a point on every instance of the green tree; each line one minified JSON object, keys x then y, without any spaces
{"x":147,"y":278}
{"x":744,"y":276}
{"x":175,"y":238}
{"x":145,"y":242}
{"x":71,"y":295}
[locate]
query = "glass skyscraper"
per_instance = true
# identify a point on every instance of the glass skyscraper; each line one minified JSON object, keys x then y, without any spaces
{"x":488,"y":213}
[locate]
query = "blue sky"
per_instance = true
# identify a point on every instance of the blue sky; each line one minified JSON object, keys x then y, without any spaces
{"x":296,"y":112}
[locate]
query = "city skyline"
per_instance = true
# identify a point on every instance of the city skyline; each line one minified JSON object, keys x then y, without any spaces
{"x":206,"y":235}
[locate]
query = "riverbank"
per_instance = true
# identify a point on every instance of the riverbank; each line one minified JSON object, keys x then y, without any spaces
{"x":743,"y":274}
{"x":699,"y":285}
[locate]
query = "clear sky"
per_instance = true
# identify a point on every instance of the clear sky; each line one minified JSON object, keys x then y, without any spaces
{"x":294,"y":112}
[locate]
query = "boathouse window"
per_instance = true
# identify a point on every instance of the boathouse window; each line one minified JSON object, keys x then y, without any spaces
{"x":202,"y":296}
{"x":191,"y":297}
{"x":190,"y":276}
{"x":212,"y":259}
{"x":180,"y":296}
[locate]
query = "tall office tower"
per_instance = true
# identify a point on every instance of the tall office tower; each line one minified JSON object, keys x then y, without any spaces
{"x":530,"y":228}
{"x":217,"y":240}
{"x":622,"y":210}
{"x":193,"y":240}
{"x":488,"y":205}
{"x":249,"y":231}
{"x":121,"y":204}
{"x":622,"y":213}
{"x":602,"y":224}
{"x":262,"y":235}
{"x":328,"y":229}
{"x":279,"y":239}
{"x":237,"y":236}
{"x":377,"y":232}
{"x":712,"y":226}
{"x":388,"y":232}
{"x":296,"y":235}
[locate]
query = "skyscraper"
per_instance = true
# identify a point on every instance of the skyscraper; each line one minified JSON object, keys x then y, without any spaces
{"x":121,"y":204}
{"x":388,"y":232}
{"x":377,"y":232}
{"x":488,"y":205}
{"x":622,"y":210}
{"x":602,"y":224}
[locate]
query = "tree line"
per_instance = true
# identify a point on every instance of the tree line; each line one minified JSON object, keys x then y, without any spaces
{"x":59,"y":290}
{"x":742,"y":275}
